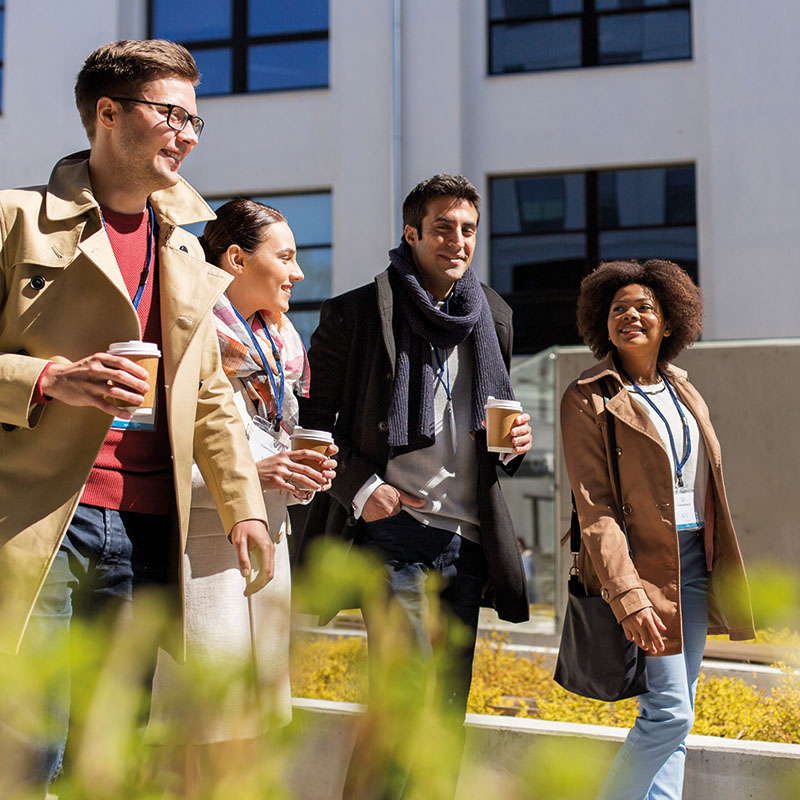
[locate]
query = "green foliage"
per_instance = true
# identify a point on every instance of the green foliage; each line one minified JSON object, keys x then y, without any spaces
{"x":506,"y":682}
{"x":113,"y":756}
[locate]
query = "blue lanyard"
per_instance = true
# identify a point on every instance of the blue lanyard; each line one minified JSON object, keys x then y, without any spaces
{"x":687,"y":437}
{"x":444,"y":363}
{"x":278,"y":395}
{"x":151,"y":246}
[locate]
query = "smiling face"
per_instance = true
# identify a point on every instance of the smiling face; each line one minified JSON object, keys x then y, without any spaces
{"x":636,"y":324}
{"x":443,"y":251}
{"x":263,"y":279}
{"x":146,"y":150}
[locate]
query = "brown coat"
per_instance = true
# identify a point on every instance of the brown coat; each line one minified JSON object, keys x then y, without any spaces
{"x":647,"y":502}
{"x":62,"y":297}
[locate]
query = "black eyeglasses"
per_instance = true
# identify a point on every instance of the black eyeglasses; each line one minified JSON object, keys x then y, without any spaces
{"x":177,"y":116}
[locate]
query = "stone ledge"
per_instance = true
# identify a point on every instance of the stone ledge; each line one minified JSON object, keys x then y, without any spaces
{"x":715,"y":767}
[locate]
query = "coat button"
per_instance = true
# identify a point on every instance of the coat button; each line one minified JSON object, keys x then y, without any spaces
{"x":23,"y":353}
{"x":619,"y":451}
{"x":7,"y":426}
{"x":383,"y":426}
{"x":37,"y":283}
{"x":184,"y":248}
{"x":626,"y":509}
{"x":351,"y":520}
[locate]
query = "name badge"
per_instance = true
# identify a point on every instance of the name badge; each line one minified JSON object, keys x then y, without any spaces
{"x":685,"y":512}
{"x":262,"y":438}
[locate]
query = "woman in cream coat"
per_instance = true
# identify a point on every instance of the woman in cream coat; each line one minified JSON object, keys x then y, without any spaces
{"x":233,"y":636}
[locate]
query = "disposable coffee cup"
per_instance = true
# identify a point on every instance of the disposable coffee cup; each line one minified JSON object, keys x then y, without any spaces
{"x":307,"y":439}
{"x":500,"y":416}
{"x":147,"y":355}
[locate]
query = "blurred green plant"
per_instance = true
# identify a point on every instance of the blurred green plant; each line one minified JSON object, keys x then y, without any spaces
{"x":113,"y":754}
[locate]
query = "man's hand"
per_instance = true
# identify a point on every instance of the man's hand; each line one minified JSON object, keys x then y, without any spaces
{"x":386,"y":501}
{"x":86,"y":383}
{"x":521,"y":438}
{"x":248,"y":536}
{"x":644,"y":628}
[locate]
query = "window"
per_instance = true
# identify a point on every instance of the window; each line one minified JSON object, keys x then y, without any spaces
{"x":2,"y":47}
{"x":548,"y":231}
{"x":249,"y":45}
{"x":534,"y":35}
{"x":309,"y":216}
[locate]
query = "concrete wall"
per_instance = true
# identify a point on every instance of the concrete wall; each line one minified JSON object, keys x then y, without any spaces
{"x":733,"y":110}
{"x":501,"y":751}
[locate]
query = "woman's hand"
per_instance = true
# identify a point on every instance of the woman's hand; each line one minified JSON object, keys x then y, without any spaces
{"x":644,"y":628}
{"x":285,"y":471}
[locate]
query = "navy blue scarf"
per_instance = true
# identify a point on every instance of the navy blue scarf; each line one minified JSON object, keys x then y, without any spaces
{"x":418,"y":324}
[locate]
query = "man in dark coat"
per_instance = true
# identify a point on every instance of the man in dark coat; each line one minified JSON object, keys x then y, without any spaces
{"x":402,"y":368}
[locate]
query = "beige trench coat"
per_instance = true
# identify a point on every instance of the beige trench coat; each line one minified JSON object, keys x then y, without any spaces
{"x":653,"y":578}
{"x":62,"y":297}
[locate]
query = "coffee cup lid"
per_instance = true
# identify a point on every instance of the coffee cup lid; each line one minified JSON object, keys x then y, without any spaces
{"x":134,"y":348}
{"x":307,"y":433}
{"x":494,"y":402}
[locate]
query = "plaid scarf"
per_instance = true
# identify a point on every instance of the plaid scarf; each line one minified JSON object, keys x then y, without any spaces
{"x":241,"y":360}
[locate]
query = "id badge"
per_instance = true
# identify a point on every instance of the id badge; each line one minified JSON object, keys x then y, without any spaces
{"x":685,"y":512}
{"x":262,"y":438}
{"x":143,"y":419}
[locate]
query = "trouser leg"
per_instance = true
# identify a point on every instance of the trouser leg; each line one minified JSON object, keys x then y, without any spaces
{"x":650,"y":763}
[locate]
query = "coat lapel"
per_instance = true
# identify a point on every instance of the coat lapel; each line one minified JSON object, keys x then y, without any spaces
{"x":189,"y":288}
{"x":385,"y":311}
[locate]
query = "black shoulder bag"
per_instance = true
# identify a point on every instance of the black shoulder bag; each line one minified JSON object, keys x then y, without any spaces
{"x":595,"y":659}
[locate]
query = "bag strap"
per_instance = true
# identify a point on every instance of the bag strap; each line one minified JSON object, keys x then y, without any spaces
{"x":575,"y":528}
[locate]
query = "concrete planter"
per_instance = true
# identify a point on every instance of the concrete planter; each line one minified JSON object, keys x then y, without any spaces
{"x":506,"y":746}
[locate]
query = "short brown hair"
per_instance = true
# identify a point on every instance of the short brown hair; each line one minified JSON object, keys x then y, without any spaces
{"x":239,"y":221}
{"x":122,"y":68}
{"x":415,"y":206}
{"x":680,"y":299}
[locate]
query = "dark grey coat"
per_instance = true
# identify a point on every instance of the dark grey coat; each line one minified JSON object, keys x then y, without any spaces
{"x":352,"y":359}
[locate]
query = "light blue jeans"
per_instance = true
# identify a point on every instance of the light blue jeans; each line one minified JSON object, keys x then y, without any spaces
{"x":650,"y":763}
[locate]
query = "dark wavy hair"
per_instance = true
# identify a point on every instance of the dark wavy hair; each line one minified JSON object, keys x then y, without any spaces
{"x":239,"y":221}
{"x":680,"y":299}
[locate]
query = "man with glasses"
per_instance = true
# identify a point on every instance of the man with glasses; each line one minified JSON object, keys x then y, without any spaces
{"x":94,"y":505}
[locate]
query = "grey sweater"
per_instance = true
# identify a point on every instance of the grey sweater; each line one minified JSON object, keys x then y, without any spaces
{"x":445,"y":474}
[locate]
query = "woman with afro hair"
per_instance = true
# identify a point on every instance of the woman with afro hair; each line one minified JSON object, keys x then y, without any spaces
{"x":683,"y":577}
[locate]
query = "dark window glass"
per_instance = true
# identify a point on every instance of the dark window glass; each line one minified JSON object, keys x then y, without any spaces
{"x":216,"y":70}
{"x":635,"y":38}
{"x":534,"y":46}
{"x":293,"y":65}
{"x":249,"y":45}
{"x":286,"y":16}
{"x":548,"y":231}
{"x":192,"y":20}
{"x":525,"y":9}
{"x":535,"y":35}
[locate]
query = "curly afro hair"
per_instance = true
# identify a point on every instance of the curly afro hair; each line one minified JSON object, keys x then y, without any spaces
{"x":680,"y":299}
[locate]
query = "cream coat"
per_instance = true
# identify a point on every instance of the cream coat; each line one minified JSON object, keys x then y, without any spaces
{"x":653,"y":578}
{"x":77,"y":306}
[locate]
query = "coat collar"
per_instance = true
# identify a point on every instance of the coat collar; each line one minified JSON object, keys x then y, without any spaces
{"x":607,"y":368}
{"x":383,"y":290}
{"x":69,"y":195}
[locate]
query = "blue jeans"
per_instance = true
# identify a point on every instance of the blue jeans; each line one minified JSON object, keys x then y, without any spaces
{"x":410,"y":552}
{"x":104,"y":556}
{"x":650,"y":763}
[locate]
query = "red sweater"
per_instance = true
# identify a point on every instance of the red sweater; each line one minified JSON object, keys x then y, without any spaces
{"x":133,"y":471}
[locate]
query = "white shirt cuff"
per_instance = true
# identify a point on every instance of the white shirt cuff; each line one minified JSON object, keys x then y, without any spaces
{"x":364,"y":493}
{"x":507,"y":458}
